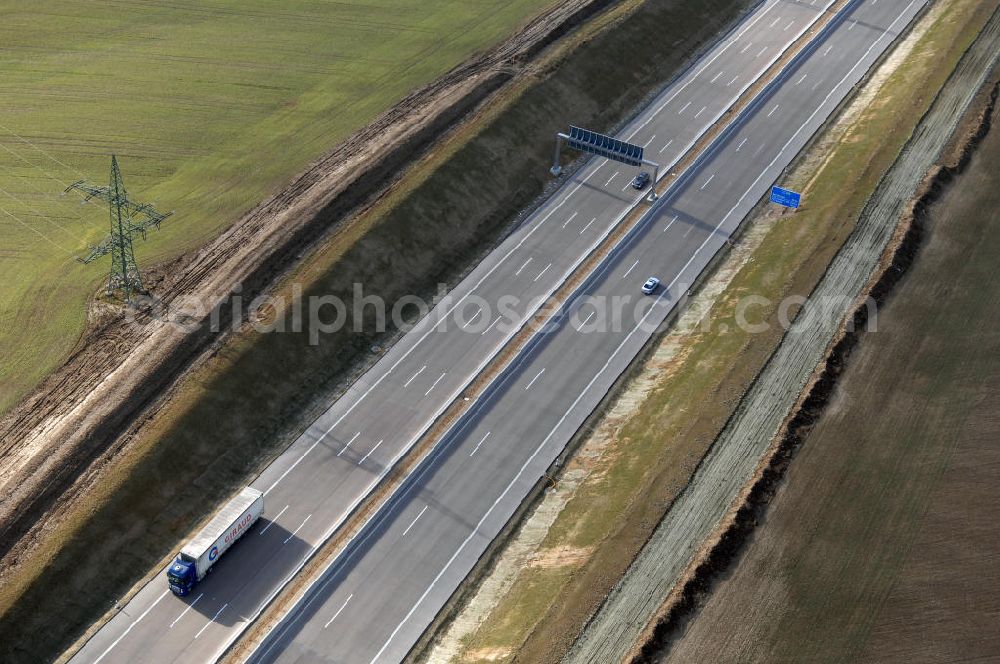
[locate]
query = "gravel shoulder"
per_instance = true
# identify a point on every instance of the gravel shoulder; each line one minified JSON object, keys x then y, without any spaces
{"x":880,"y":543}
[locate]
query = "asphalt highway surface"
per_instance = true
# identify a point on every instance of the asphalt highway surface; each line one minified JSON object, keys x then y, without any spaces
{"x":378,"y":597}
{"x":376,"y":600}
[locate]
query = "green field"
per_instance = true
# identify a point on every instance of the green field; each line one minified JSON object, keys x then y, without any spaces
{"x":210,"y":106}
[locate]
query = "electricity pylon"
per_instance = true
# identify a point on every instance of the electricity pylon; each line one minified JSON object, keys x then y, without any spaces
{"x":128,"y":219}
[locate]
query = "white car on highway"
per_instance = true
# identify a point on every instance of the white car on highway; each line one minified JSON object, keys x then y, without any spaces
{"x":651,"y":285}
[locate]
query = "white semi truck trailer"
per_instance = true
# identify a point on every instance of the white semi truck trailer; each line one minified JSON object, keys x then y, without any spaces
{"x":198,"y":555}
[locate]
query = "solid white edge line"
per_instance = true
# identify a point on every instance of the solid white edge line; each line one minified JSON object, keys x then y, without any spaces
{"x":303,"y":456}
{"x":638,"y":325}
{"x":427,"y":333}
{"x":336,"y":525}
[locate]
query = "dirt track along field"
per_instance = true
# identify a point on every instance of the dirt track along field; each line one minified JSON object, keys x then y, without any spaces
{"x":136,"y":470}
{"x":210,"y":107}
{"x":881,"y":544}
{"x":122,"y":366}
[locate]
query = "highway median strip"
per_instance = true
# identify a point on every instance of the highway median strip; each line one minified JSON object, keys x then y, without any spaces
{"x":661,"y":431}
{"x":328,"y":551}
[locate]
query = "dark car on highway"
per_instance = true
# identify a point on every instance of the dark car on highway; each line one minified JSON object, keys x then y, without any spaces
{"x":640,"y":180}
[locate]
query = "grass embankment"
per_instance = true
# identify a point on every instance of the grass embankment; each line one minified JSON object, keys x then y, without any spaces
{"x":236,"y":412}
{"x":211,"y":106}
{"x":881,"y":543}
{"x":633,"y":477}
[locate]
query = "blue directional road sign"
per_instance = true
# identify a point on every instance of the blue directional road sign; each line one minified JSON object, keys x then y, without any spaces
{"x":785,"y":197}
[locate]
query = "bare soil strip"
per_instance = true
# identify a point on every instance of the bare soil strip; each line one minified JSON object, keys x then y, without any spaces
{"x":674,"y":562}
{"x":122,"y":366}
{"x":128,"y":469}
{"x":879,"y":543}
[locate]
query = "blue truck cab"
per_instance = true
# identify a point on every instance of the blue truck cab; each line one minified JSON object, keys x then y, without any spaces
{"x":182,"y":575}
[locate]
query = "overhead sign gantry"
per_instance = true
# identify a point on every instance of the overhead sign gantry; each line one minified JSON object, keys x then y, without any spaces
{"x":603,"y":146}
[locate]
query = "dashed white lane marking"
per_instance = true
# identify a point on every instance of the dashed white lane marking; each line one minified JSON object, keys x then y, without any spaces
{"x":372,"y":450}
{"x":688,"y":231}
{"x":517,"y":477}
{"x":790,"y":24}
{"x":774,"y":22}
{"x":700,"y":112}
{"x":732,"y":81}
{"x":667,"y":227}
{"x":303,"y":456}
{"x":707,"y":181}
{"x":342,"y":606}
{"x":571,"y":218}
{"x":528,"y":386}
{"x":217,"y":613}
{"x":523,"y":266}
{"x":476,"y":449}
{"x":586,"y":320}
{"x":189,"y":607}
{"x":816,"y":85}
{"x":294,"y":533}
{"x":129,"y":628}
{"x":495,"y":321}
{"x":683,"y":108}
{"x":165,"y":592}
{"x":423,"y":337}
{"x":771,"y":112}
{"x":666,"y":145}
{"x":412,"y":523}
{"x":761,"y":52}
{"x":611,"y":178}
{"x":420,"y":371}
{"x":716,"y":77}
{"x":736,"y":38}
{"x":435,"y":384}
{"x":588,"y":225}
{"x":801,"y":79}
{"x":544,"y":270}
{"x":473,"y":319}
{"x":631,"y":268}
{"x":853,"y":23}
{"x":271,"y":522}
{"x":742,"y":143}
{"x":827,"y":51}
{"x":745,"y":48}
{"x":646,"y":144}
{"x":355,"y":436}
